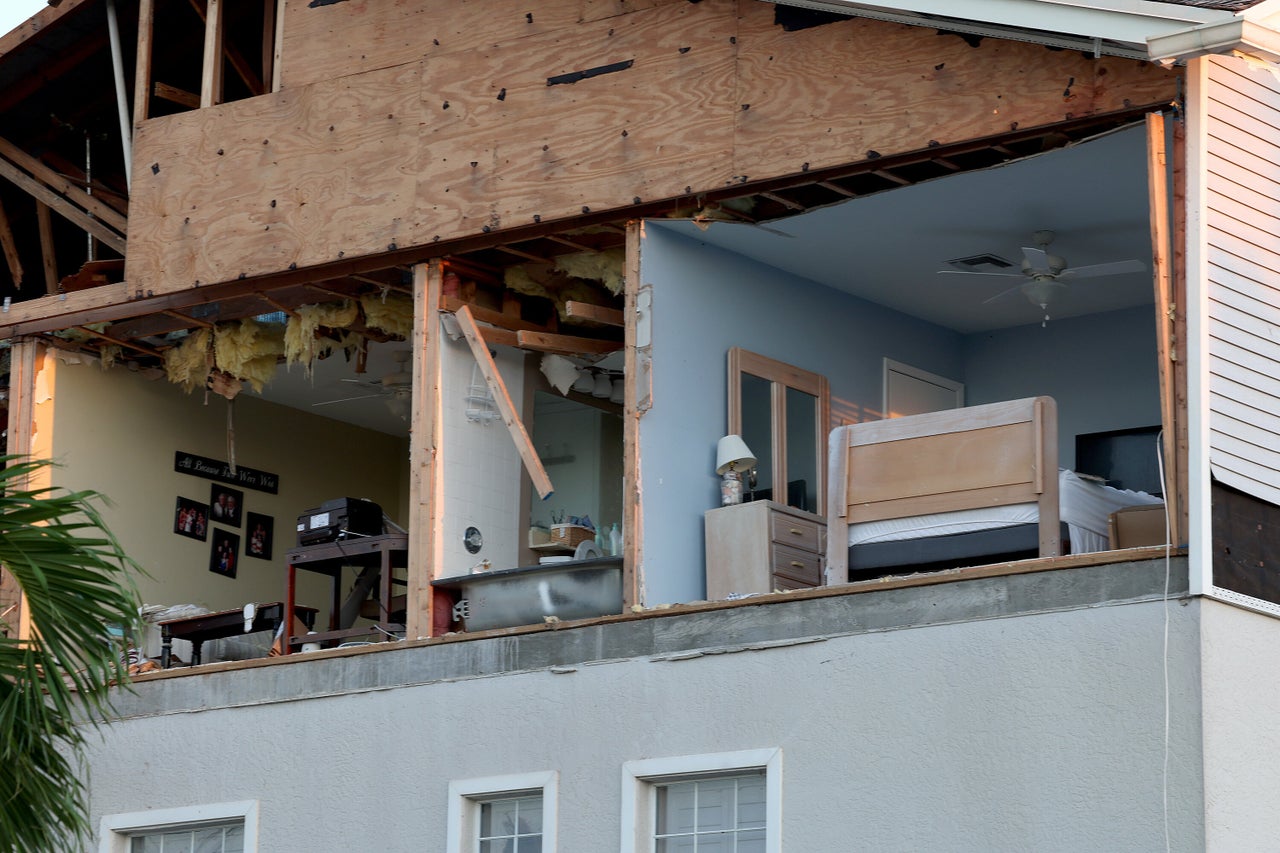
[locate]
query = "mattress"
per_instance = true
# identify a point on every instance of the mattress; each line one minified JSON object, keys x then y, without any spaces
{"x":1084,"y":506}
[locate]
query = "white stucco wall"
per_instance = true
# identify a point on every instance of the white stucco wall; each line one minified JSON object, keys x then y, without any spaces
{"x":1040,"y":732}
{"x":1241,"y":656}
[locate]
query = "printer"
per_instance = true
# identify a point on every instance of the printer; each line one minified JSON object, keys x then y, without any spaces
{"x":340,"y":518}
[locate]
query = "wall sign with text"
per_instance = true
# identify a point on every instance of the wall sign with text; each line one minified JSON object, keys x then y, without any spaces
{"x":216,"y":469}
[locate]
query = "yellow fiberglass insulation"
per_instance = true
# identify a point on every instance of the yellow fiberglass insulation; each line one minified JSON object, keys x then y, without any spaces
{"x":109,"y":355}
{"x":248,"y":350}
{"x":187,"y":364}
{"x":300,"y":344}
{"x":392,"y":313}
{"x":519,"y":280}
{"x":605,"y":267}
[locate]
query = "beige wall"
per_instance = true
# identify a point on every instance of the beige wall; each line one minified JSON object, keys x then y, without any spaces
{"x":117,"y":432}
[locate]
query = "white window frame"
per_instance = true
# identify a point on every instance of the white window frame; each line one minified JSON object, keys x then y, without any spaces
{"x":116,"y":830}
{"x":640,"y":777}
{"x":467,"y":795}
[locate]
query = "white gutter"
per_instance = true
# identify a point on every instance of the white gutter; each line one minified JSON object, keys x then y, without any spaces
{"x":1116,"y":27}
{"x":1239,"y":34}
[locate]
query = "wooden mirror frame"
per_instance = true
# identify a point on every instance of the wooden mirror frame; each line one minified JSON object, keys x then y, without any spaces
{"x":782,"y":376}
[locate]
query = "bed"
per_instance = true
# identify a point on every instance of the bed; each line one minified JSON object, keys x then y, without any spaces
{"x":959,"y":487}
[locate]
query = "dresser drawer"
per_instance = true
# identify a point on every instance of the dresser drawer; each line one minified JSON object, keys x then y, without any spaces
{"x":795,"y":532}
{"x":802,"y":566}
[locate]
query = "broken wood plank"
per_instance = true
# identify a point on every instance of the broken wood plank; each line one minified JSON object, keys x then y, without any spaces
{"x":190,"y":100}
{"x":10,"y":248}
{"x":48,"y":257}
{"x":565,"y":344}
{"x":498,"y":388}
{"x":595,"y":313}
{"x":93,"y":274}
{"x":238,"y":63}
{"x":56,"y":182}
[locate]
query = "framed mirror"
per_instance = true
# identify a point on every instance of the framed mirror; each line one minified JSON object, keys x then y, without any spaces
{"x":782,"y":413}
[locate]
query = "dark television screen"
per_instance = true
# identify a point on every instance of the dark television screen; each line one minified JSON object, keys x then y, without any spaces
{"x":1125,"y":458}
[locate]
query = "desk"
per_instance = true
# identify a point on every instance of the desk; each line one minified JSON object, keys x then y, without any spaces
{"x":224,"y":623}
{"x":388,"y":551}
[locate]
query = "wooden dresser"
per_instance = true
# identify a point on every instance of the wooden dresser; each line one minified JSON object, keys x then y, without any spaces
{"x":762,"y":546}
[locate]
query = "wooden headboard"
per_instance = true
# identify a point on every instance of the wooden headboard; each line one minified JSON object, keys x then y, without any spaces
{"x":992,"y":455}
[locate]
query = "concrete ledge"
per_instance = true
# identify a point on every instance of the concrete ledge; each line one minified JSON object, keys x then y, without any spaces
{"x":664,"y":635}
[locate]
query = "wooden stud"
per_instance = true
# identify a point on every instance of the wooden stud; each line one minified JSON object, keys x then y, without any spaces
{"x":120,"y":342}
{"x":192,"y":321}
{"x":10,"y":248}
{"x":785,"y":202}
{"x":1158,"y":197}
{"x":211,"y":73}
{"x":572,"y":244}
{"x":239,"y":64}
{"x":632,"y":491}
{"x":426,"y":469}
{"x":277,"y":45}
{"x":595,"y":313}
{"x":25,"y":355}
{"x":565,"y":344}
{"x":268,"y":41}
{"x":142,"y":68}
{"x":1181,"y":459}
{"x":521,"y":253}
{"x":48,"y":257}
{"x":502,"y":400}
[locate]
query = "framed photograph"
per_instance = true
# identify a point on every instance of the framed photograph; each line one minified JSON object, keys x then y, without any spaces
{"x":257,"y":531}
{"x":226,"y":505}
{"x":191,"y":518}
{"x":224,"y":553}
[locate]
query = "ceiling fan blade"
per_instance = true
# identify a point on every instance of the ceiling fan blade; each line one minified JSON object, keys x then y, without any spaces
{"x":1112,"y":268}
{"x":1037,"y":259}
{"x":1002,"y":294}
{"x":348,"y":399}
{"x":972,"y":272}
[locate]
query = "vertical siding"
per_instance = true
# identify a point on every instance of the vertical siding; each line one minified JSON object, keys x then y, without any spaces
{"x":1242,"y":234}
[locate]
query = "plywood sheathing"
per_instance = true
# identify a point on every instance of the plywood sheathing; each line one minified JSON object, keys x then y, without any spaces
{"x":473,"y":141}
{"x":322,"y":42}
{"x":860,"y":89}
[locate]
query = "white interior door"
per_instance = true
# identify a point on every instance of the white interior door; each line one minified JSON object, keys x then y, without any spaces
{"x":911,"y":391}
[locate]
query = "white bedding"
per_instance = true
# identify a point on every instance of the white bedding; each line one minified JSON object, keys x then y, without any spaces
{"x":1084,"y":505}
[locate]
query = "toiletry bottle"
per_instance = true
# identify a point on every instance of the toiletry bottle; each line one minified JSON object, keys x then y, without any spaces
{"x":615,"y":540}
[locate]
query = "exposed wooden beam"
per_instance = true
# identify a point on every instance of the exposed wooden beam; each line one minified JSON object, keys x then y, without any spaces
{"x":211,"y":73}
{"x":242,"y":67}
{"x":426,"y":468}
{"x":572,"y":244}
{"x":190,"y":100}
{"x":1158,"y":198}
{"x":121,"y":342}
{"x":48,"y":256}
{"x":521,"y":253}
{"x":785,"y":202}
{"x":565,"y":344}
{"x":59,"y":184}
{"x":595,"y":313}
{"x":837,"y":189}
{"x":490,"y":316}
{"x":10,"y":247}
{"x":635,"y":378}
{"x":502,"y":400}
{"x":65,"y":208}
{"x":142,"y":67}
{"x":890,"y":176}
{"x":189,"y":321}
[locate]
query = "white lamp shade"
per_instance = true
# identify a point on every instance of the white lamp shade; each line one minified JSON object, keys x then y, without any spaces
{"x":585,"y":382}
{"x":619,"y":393}
{"x":733,"y":451}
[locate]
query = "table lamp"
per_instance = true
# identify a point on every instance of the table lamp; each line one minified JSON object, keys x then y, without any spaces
{"x":732,"y":458}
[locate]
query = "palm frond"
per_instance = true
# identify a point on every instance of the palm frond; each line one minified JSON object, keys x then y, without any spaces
{"x":76,"y":581}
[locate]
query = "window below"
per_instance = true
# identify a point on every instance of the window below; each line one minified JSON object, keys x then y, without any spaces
{"x":212,"y":828}
{"x":503,"y":814}
{"x":727,"y":802}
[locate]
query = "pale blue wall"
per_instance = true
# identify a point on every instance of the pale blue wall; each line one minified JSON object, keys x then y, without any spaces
{"x":706,"y":300}
{"x":1100,"y":369}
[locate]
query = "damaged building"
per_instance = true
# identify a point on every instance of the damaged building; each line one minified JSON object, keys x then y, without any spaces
{"x":663,"y":425}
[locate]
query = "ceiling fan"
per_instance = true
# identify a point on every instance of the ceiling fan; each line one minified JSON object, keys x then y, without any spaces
{"x":395,"y":387}
{"x":1046,"y":276}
